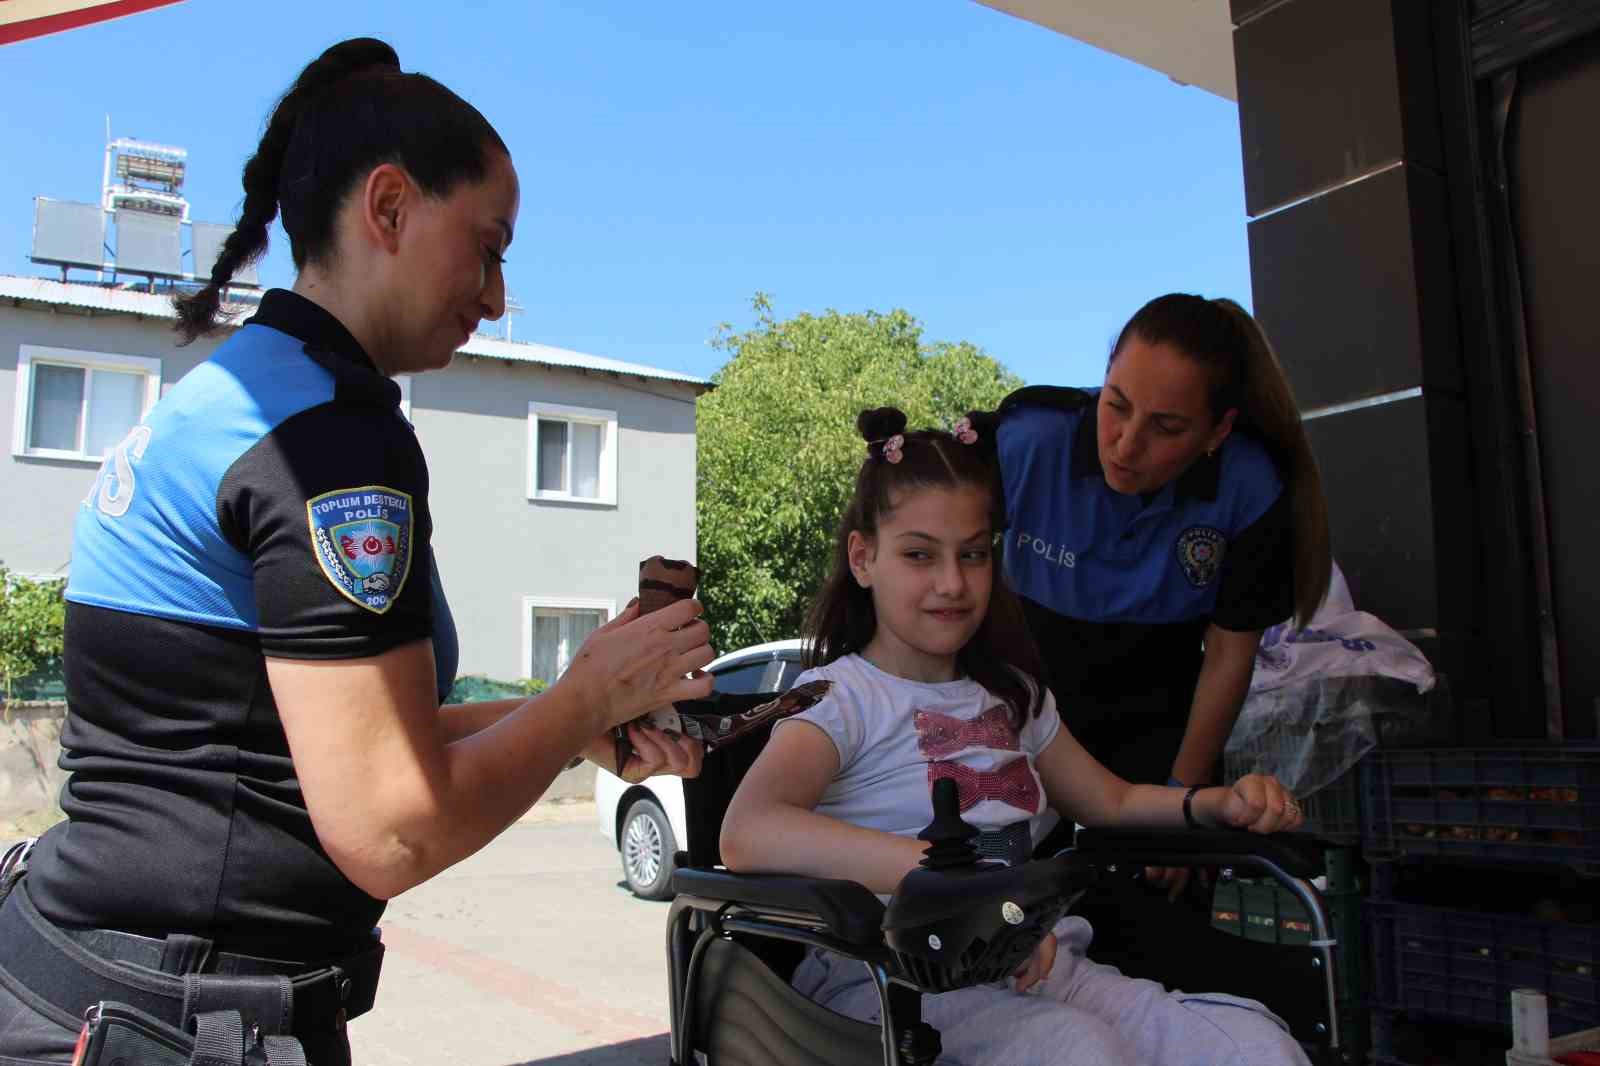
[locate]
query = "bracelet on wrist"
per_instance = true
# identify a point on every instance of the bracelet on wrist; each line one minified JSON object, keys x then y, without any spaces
{"x":1188,"y":807}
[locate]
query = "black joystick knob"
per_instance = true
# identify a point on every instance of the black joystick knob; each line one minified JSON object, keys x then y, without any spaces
{"x":949,"y":836}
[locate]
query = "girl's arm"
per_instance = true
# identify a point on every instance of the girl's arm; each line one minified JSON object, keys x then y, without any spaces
{"x":772,"y":825}
{"x":1230,"y":658}
{"x":1080,"y":788}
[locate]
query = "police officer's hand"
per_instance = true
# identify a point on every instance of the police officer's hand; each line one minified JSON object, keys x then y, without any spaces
{"x":631,"y":665}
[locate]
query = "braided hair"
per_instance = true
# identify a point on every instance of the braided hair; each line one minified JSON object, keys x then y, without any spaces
{"x":1002,"y":655}
{"x":350,"y":110}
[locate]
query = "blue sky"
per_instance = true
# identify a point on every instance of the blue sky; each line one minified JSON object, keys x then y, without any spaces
{"x":1007,"y":185}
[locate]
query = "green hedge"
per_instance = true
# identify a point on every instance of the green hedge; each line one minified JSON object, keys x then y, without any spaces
{"x":476,"y":688}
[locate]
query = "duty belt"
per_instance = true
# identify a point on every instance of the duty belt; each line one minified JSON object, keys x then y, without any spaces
{"x":72,"y":969}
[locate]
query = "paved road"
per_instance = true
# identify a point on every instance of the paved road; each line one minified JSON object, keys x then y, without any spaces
{"x":529,"y":952}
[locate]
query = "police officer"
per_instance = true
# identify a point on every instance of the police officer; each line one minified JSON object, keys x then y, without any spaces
{"x":257,"y":640}
{"x":1157,"y":525}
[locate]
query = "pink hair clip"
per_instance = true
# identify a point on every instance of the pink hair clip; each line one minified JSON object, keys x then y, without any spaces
{"x":892,"y":446}
{"x":963,"y":431}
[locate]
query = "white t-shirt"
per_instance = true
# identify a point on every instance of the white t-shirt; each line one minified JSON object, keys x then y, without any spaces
{"x":896,"y":737}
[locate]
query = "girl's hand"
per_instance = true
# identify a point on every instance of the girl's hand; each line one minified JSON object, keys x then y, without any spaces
{"x":1038,"y":966}
{"x":632,"y":665}
{"x":1260,"y":804}
{"x":654,"y":752}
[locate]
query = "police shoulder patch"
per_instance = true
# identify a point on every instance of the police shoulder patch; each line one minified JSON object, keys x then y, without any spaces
{"x":362,"y":540}
{"x":1200,"y":550}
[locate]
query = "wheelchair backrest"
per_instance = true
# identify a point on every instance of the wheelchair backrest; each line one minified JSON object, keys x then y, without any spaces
{"x":706,"y":798}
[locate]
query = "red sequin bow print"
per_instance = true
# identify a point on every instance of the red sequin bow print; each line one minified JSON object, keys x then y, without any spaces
{"x":1013,"y":784}
{"x":940,"y":736}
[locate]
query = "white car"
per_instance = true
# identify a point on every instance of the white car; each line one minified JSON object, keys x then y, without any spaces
{"x":645,"y":821}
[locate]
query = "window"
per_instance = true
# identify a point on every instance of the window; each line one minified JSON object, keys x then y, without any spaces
{"x":554,"y":629}
{"x":572,"y":454}
{"x":743,"y":678}
{"x":78,"y":405}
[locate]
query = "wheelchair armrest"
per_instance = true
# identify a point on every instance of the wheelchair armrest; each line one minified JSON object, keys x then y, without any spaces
{"x":849,"y":910}
{"x":1298,"y":856}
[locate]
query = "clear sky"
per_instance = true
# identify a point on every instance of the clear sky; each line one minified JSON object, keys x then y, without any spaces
{"x":1007,"y":185}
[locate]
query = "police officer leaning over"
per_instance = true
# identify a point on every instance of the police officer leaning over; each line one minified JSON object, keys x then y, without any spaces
{"x":257,"y":640}
{"x":1157,"y":525}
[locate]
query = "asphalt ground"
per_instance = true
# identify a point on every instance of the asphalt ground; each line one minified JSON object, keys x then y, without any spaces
{"x":529,"y":952}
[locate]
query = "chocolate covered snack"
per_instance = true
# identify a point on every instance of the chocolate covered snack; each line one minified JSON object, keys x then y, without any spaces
{"x":665,"y":581}
{"x":661,"y":582}
{"x":714,"y":724}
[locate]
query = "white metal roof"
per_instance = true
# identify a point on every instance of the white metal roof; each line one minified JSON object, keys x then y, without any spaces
{"x":48,"y":292}
{"x":1190,"y":41}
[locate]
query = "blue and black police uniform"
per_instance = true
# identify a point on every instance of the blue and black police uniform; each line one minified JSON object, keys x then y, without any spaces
{"x":1119,"y":589}
{"x":274,"y":503}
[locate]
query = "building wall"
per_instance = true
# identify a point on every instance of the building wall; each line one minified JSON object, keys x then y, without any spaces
{"x":42,"y":495}
{"x":495,"y":547}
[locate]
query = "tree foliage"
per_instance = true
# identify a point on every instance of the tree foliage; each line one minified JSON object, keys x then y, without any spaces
{"x":32,"y":622}
{"x":778,"y":449}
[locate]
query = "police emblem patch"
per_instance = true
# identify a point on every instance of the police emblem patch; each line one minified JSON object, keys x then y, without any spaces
{"x":1200,"y":551}
{"x":362,"y":540}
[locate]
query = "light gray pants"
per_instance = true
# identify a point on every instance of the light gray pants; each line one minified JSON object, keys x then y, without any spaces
{"x":1083,"y":1014}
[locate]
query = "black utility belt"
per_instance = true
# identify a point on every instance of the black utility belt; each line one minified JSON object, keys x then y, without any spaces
{"x":177,"y":999}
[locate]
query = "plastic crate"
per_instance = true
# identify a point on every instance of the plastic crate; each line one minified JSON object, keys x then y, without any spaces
{"x":1502,"y":805}
{"x":1261,"y":909}
{"x":1462,"y":965}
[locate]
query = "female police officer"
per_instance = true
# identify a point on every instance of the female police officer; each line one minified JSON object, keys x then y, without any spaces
{"x":1157,"y":525}
{"x":257,"y":645}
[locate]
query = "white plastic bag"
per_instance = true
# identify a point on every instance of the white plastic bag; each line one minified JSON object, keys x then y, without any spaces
{"x":1340,"y":642}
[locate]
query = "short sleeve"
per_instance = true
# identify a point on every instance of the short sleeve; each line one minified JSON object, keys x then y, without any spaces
{"x":837,"y":715}
{"x":331,"y":510}
{"x":1257,"y":580}
{"x":1042,"y":728}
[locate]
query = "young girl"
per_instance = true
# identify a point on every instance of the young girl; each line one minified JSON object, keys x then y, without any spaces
{"x":934,"y":675}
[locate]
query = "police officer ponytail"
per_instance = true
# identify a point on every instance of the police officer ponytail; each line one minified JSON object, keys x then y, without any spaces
{"x":351,"y":109}
{"x":1246,"y":376}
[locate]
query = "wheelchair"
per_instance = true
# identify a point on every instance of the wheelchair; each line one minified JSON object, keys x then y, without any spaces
{"x":734,"y":940}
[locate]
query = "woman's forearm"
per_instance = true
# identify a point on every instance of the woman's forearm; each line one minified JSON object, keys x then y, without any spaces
{"x":779,"y":838}
{"x":458,"y":721}
{"x":1218,"y":695}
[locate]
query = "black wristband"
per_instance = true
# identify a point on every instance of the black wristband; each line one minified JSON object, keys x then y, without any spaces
{"x":1188,"y":808}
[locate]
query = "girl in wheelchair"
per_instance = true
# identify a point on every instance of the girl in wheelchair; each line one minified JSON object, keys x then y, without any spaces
{"x":934,"y":675}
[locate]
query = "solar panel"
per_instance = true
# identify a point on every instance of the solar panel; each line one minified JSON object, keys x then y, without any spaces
{"x":148,"y":244}
{"x":208,"y":238}
{"x":68,"y":233}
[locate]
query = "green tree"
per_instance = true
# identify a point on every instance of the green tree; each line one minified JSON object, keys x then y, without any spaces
{"x":778,"y":449}
{"x":32,"y":621}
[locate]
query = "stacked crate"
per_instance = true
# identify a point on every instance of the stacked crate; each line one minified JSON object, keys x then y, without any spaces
{"x":1486,"y":877}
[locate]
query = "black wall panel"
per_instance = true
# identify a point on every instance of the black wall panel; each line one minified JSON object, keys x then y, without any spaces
{"x":1353,"y":289}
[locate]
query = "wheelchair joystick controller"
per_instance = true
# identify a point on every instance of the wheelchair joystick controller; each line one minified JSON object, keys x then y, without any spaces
{"x":949,"y":835}
{"x":955,"y":922}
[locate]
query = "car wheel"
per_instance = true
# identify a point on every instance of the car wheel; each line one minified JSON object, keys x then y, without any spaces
{"x":647,"y":848}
